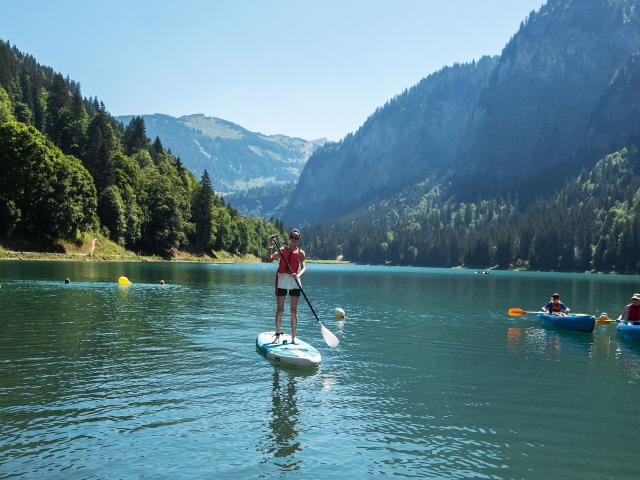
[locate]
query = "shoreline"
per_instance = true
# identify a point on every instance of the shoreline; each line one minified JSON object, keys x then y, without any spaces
{"x":223,"y":257}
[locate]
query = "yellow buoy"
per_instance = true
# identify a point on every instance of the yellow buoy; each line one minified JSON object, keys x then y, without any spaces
{"x":123,"y":281}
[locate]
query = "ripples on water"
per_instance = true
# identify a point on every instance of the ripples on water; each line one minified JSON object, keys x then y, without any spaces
{"x":431,"y":378}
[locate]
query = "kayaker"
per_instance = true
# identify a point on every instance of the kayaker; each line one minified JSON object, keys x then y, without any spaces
{"x":555,"y":306}
{"x":286,"y":280}
{"x":631,"y":313}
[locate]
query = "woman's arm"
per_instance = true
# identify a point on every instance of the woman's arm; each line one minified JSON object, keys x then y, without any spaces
{"x":271,"y":255}
{"x":303,"y":264}
{"x":625,"y":313}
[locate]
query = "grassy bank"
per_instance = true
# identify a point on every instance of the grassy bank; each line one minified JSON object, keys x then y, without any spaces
{"x":92,"y":248}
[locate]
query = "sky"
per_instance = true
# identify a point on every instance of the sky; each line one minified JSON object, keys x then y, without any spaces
{"x":305,"y":69}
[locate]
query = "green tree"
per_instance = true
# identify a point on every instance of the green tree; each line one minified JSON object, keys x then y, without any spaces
{"x":101,"y":144}
{"x":166,"y":209}
{"x":6,"y":109}
{"x":202,"y":213}
{"x":135,"y":136}
{"x":57,"y":116}
{"x":112,"y":213}
{"x":53,"y":192}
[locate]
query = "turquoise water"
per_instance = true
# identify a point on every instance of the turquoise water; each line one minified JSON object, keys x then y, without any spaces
{"x":432,"y":378}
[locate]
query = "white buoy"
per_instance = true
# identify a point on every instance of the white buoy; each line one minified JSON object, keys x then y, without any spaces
{"x":338,"y":313}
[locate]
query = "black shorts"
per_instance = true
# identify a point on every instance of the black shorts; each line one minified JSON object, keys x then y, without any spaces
{"x":282,"y":292}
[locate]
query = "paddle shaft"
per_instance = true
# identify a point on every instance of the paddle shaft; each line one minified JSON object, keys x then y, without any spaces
{"x":297,"y":282}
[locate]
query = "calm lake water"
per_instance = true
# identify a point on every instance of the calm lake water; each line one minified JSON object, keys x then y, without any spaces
{"x":432,"y":378}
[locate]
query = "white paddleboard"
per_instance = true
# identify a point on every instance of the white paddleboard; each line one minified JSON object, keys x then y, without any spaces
{"x":300,"y":354}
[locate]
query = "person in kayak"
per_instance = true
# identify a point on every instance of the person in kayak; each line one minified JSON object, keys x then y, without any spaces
{"x":555,"y":306}
{"x":286,"y":280}
{"x":631,"y":313}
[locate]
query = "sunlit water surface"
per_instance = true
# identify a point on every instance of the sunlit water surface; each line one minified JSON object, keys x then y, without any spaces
{"x":432,"y":378}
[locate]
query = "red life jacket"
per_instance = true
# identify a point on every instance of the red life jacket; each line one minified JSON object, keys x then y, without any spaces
{"x":293,"y":257}
{"x":634,"y":313}
{"x":555,"y":307}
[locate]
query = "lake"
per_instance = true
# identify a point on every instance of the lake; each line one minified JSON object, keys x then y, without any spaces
{"x":431,"y":379}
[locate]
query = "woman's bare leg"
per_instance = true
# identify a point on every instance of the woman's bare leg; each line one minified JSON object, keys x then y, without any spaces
{"x":294,"y":317}
{"x":279,"y":312}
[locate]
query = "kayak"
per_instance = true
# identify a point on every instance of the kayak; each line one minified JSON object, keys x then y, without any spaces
{"x":628,"y":331}
{"x":300,"y":354}
{"x":578,"y":323}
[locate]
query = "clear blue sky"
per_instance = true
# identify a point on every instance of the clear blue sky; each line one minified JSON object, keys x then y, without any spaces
{"x":308,"y":69}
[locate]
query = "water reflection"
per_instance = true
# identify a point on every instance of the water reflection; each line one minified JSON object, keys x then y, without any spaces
{"x":629,"y":353}
{"x":283,"y":437}
{"x":514,"y":336}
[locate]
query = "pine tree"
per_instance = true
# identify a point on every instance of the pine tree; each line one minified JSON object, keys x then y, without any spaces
{"x":135,"y":136}
{"x":101,"y":143}
{"x":201,"y":213}
{"x":57,"y":100}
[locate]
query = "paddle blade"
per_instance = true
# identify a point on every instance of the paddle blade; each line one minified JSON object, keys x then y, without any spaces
{"x":516,"y":312}
{"x":329,"y":337}
{"x":604,"y":320}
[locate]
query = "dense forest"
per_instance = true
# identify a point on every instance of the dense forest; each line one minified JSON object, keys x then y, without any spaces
{"x":592,"y":224}
{"x":68,"y":167}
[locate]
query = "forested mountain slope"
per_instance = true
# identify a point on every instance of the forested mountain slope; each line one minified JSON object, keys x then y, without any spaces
{"x":68,"y":167}
{"x":236,"y":158}
{"x":591,"y":224}
{"x":559,"y":97}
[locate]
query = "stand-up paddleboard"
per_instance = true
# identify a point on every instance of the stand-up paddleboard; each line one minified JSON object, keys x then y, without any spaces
{"x":300,"y":354}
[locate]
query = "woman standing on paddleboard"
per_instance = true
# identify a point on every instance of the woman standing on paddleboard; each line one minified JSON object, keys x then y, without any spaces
{"x":286,"y":279}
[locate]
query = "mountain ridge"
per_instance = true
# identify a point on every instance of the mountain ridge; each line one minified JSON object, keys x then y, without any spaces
{"x":235,"y":157}
{"x":525,"y":113}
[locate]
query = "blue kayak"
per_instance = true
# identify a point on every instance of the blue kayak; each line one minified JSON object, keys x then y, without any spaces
{"x":577,"y":323}
{"x":300,"y":354}
{"x":629,"y":331}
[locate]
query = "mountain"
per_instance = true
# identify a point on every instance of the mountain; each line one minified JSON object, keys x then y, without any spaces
{"x":591,"y":224}
{"x":236,"y":158}
{"x":559,"y":96}
{"x":268,"y":201}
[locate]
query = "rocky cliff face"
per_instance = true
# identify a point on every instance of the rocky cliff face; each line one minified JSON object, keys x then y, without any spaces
{"x":416,"y":134}
{"x":533,"y":112}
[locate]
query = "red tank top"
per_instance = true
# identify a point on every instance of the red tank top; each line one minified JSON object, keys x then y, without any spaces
{"x":293,"y":257}
{"x":634,"y":313}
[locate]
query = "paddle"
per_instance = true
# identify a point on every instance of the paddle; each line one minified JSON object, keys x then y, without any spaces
{"x":605,"y":320}
{"x":516,"y":312}
{"x":329,"y":337}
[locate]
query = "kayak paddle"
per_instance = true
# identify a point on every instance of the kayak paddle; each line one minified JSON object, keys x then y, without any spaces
{"x":516,"y":312}
{"x":329,"y":337}
{"x":605,"y":320}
